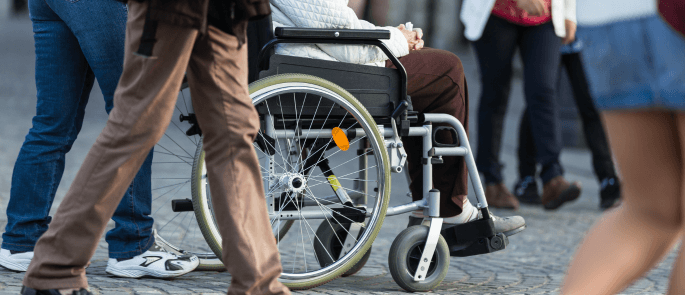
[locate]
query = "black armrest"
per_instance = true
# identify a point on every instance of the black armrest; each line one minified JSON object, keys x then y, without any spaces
{"x":344,"y":34}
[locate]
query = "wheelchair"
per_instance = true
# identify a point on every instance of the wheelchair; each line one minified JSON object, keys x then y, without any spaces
{"x":330,"y":139}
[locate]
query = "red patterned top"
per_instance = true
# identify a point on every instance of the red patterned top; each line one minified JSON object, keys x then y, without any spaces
{"x":508,"y":10}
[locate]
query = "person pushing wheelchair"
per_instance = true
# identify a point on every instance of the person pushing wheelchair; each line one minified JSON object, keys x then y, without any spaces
{"x":436,"y":84}
{"x":165,"y":39}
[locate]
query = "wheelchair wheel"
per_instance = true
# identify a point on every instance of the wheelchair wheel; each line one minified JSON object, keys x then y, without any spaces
{"x":311,"y":177}
{"x":328,"y":242}
{"x":404,"y":256}
{"x":175,"y":226}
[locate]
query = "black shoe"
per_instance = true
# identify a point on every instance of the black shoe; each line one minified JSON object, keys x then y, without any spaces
{"x":609,"y":193}
{"x":29,"y":291}
{"x":526,"y":191}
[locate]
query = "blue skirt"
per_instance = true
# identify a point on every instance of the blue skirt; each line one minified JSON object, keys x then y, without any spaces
{"x":635,"y":64}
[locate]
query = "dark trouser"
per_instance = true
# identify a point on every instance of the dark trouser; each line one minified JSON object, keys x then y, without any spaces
{"x":539,"y":48}
{"x":436,"y":84}
{"x":216,"y":67}
{"x":592,"y":125}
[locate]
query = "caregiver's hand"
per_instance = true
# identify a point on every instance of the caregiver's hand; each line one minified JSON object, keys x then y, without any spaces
{"x":533,"y":7}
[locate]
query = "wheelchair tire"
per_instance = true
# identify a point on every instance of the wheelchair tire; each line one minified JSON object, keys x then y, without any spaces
{"x":404,"y":256}
{"x":329,"y":241}
{"x":298,"y":87}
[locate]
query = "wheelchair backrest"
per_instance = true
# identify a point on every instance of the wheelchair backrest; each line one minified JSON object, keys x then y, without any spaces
{"x":377,"y":88}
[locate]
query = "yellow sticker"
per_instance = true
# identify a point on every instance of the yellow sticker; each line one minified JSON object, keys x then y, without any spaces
{"x":340,"y":138}
{"x":334,"y":182}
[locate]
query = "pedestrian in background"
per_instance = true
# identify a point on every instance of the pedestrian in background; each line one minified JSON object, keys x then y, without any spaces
{"x":634,"y":62}
{"x":77,"y":42}
{"x":374,"y":11}
{"x":526,"y":189}
{"x":537,"y":28}
{"x":206,"y":41}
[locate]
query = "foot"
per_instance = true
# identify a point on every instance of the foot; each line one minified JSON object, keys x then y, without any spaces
{"x":14,"y":260}
{"x":510,"y":225}
{"x":526,"y":191}
{"x":498,"y":196}
{"x":609,"y":193}
{"x":558,"y":191}
{"x":29,"y":291}
{"x":155,"y":262}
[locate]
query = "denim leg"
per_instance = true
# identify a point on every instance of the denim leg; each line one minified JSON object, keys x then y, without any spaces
{"x":495,"y":51}
{"x":63,"y":82}
{"x":100,"y":27}
{"x":540,"y":47}
{"x":526,"y":151}
{"x":592,"y":123}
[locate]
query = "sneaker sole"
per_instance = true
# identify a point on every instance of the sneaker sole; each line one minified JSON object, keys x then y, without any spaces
{"x":569,"y":194}
{"x":139,"y":273}
{"x":14,"y":265}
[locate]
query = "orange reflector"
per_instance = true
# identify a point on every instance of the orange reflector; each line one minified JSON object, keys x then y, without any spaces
{"x":340,"y":138}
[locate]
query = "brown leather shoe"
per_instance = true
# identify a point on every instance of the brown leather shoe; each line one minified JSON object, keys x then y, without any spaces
{"x":498,"y":196}
{"x":558,"y":191}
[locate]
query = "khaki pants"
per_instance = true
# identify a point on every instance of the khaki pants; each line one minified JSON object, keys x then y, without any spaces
{"x":143,"y":106}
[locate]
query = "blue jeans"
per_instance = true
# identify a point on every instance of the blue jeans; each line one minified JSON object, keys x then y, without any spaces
{"x":77,"y":41}
{"x":539,"y":48}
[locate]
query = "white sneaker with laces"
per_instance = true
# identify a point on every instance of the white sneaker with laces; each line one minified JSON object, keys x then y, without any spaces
{"x":155,"y":262}
{"x":17,"y":261}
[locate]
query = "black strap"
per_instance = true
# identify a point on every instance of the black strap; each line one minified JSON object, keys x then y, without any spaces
{"x":147,"y":40}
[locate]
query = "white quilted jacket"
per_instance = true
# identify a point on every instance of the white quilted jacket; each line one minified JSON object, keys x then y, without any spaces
{"x":332,"y":14}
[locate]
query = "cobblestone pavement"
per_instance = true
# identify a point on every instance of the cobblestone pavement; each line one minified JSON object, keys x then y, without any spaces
{"x":534,"y":262}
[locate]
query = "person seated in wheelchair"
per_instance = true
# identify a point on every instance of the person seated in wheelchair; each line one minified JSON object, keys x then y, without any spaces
{"x":436,"y":84}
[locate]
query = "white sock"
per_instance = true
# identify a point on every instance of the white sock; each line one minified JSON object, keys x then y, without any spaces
{"x":468,"y":213}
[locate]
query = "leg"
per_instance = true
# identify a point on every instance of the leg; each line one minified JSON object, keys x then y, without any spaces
{"x":104,"y":51}
{"x":594,"y":132}
{"x":677,"y":282}
{"x":63,"y":81}
{"x":592,"y":124}
{"x":139,"y":118}
{"x":217,"y":76}
{"x":634,"y":237}
{"x":526,"y":151}
{"x":436,"y":84}
{"x":526,"y":188}
{"x":540,"y":52}
{"x":495,"y":51}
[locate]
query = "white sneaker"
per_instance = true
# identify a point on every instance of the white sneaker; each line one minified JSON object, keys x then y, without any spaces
{"x":18,"y":261}
{"x":155,"y":262}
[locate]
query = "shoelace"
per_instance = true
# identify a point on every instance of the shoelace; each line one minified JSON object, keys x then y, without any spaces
{"x":524,"y":185}
{"x":607,"y":182}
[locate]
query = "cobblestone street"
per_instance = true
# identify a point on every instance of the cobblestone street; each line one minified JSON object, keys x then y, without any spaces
{"x":534,"y":262}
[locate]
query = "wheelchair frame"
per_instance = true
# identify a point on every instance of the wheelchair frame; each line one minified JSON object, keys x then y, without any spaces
{"x":481,"y":231}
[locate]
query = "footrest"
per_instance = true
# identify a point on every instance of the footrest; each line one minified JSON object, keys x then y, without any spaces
{"x":473,"y":238}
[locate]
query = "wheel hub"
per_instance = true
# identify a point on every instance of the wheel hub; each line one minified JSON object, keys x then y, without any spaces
{"x":293,"y":182}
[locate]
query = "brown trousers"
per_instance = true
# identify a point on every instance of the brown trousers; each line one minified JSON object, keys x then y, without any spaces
{"x":436,"y":84}
{"x":143,"y":105}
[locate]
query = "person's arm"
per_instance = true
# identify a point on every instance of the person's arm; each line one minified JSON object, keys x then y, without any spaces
{"x":332,"y":14}
{"x":570,"y":21}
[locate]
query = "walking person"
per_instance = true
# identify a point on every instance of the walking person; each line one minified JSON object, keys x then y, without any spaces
{"x":634,"y":62}
{"x":77,"y":42}
{"x":526,"y":189}
{"x":206,"y":40}
{"x":537,"y":28}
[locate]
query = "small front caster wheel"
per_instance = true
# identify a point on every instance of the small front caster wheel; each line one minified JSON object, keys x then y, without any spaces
{"x":329,"y":244}
{"x":405,"y":254}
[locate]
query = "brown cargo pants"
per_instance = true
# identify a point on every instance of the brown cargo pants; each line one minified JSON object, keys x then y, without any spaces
{"x":143,"y":106}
